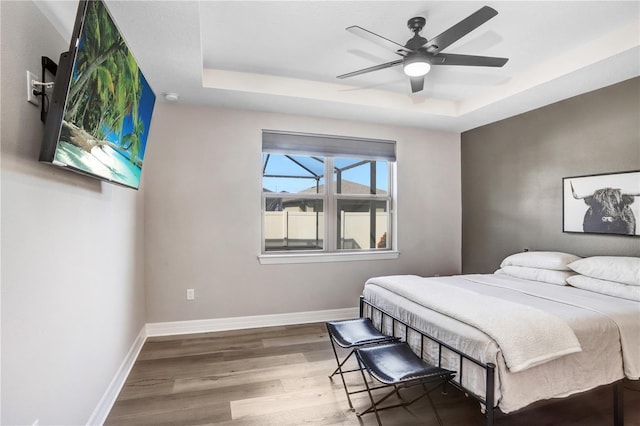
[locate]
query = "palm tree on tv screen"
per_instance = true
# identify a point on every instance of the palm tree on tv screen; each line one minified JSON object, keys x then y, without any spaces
{"x":105,"y":88}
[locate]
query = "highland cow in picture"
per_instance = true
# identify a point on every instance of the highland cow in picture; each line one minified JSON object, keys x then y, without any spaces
{"x":609,"y":212}
{"x":604,"y":204}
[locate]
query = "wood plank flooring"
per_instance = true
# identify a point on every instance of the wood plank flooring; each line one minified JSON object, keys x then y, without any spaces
{"x":278,"y":376}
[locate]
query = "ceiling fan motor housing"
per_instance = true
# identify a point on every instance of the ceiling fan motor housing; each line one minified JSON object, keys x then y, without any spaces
{"x":416,"y":42}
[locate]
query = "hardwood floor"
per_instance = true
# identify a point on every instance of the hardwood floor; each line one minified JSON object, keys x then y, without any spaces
{"x":278,"y":376}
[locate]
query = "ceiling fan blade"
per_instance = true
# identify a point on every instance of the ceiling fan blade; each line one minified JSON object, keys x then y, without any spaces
{"x":469,"y":60}
{"x":460,"y":29}
{"x":374,"y":68}
{"x":417,"y":84}
{"x":379,"y":40}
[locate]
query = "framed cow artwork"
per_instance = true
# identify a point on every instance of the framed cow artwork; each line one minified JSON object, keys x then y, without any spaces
{"x":602,"y":204}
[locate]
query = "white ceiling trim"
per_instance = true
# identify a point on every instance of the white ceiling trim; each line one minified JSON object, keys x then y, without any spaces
{"x":315,"y":90}
{"x":603,"y":48}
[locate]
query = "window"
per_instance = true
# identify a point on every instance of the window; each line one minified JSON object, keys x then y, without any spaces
{"x":326,"y":194}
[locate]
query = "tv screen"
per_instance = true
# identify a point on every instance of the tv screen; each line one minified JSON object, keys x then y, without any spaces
{"x":101,"y":106}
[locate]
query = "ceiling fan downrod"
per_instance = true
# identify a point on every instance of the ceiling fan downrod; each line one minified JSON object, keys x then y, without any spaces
{"x":416,"y":25}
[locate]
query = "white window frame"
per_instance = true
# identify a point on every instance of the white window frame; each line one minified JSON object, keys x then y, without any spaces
{"x":330,"y":252}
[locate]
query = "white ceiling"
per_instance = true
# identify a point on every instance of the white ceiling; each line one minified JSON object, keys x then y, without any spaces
{"x":284,"y":56}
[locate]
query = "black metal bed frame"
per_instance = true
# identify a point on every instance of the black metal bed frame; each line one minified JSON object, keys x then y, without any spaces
{"x":489,"y":399}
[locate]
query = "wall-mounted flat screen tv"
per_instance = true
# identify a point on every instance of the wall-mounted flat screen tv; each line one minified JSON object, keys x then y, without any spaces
{"x":101,"y":106}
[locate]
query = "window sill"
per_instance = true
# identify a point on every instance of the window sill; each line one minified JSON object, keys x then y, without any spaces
{"x":278,"y":259}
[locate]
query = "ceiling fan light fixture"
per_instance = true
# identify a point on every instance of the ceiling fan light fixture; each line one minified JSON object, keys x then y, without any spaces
{"x":416,"y":66}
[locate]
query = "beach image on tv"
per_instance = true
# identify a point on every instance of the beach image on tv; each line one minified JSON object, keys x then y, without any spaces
{"x":108,"y":107}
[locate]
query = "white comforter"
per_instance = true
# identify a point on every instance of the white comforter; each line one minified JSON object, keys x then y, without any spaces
{"x":527,"y":336}
{"x":604,"y":326}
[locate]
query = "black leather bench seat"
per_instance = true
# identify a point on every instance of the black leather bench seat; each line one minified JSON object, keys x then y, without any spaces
{"x":396,"y":363}
{"x":397,"y":366}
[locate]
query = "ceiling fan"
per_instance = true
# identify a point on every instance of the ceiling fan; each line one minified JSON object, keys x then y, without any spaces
{"x":419,"y":54}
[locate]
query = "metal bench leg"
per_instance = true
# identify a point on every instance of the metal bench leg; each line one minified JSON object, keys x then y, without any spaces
{"x":396,"y":390}
{"x":339,"y":369}
{"x":444,"y":390}
{"x":373,"y":402}
{"x":435,"y":411}
{"x":340,"y":364}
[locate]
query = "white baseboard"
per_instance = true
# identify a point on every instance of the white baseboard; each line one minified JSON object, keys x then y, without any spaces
{"x":100,"y":413}
{"x":237,"y":323}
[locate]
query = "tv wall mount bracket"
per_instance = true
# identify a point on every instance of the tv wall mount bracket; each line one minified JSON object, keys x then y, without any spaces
{"x":39,"y":87}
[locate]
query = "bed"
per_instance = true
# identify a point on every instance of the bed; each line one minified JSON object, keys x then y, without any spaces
{"x":524,"y":334}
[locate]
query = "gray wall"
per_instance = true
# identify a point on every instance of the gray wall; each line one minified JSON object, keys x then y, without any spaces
{"x":72,"y":277}
{"x":203,"y":224}
{"x":512,"y":174}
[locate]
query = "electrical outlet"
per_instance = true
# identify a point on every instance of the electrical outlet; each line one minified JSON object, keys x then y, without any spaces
{"x":31,"y":98}
{"x":191,"y":294}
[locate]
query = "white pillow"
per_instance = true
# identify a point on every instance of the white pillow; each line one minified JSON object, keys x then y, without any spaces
{"x":536,"y":274}
{"x":555,"y":260}
{"x":611,"y":268}
{"x":609,"y":288}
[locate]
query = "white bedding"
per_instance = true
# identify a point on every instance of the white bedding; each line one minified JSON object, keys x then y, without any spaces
{"x":547,"y":338}
{"x":598,"y":322}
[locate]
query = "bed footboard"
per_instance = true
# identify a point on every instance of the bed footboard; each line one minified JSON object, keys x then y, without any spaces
{"x":369,"y":310}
